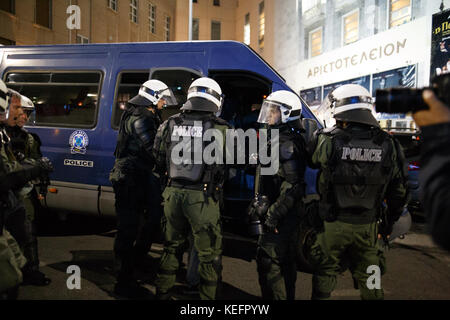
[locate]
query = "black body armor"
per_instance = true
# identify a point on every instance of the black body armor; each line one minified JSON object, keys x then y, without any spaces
{"x":360,"y":168}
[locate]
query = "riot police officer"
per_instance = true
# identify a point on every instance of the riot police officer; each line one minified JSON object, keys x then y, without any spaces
{"x":280,"y":198}
{"x":191,"y":199}
{"x":27,"y":145}
{"x":20,"y":223}
{"x":361,"y":166}
{"x":13,"y":177}
{"x":136,"y":188}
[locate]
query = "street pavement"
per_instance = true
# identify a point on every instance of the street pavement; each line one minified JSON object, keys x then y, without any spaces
{"x":416,"y":267}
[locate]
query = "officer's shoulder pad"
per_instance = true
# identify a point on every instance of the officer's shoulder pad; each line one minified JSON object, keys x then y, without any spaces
{"x":287,"y":150}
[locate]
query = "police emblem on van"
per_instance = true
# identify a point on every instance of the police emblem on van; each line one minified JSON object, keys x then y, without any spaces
{"x":78,"y":142}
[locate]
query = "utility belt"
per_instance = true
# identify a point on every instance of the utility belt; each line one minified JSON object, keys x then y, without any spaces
{"x":208,"y":189}
{"x":187,"y":185}
{"x":330,"y":213}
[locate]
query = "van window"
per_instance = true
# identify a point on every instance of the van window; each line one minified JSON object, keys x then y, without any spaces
{"x":178,"y":80}
{"x":128,"y":84}
{"x":62,"y":99}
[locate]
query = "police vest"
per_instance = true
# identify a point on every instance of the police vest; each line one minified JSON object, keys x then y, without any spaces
{"x":185,"y":143}
{"x":360,"y":167}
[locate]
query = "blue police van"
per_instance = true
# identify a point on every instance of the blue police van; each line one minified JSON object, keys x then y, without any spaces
{"x":80,"y":92}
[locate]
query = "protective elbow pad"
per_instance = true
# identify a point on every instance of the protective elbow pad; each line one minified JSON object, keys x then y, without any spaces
{"x":145,"y":129}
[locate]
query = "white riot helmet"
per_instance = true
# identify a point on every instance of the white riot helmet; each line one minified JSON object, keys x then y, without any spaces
{"x":280,"y":107}
{"x":351,"y":103}
{"x":206,"y":89}
{"x":151,"y":92}
{"x":27,"y":105}
{"x":28,"y":108}
{"x":4,"y":101}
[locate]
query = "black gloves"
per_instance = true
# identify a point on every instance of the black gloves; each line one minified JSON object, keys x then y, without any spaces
{"x":260,"y":205}
{"x":45,"y":165}
{"x":259,"y":208}
{"x":271,"y":223}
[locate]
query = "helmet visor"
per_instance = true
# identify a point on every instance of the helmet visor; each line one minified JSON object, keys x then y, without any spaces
{"x":324,"y":112}
{"x":270,"y":113}
{"x":27,"y":109}
{"x":169,"y":97}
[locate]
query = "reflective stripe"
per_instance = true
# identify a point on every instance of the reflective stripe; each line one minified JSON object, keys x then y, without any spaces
{"x":150,"y":91}
{"x":352,"y":100}
{"x":210,"y":91}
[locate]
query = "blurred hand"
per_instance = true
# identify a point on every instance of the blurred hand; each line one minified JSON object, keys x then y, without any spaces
{"x":270,"y":224}
{"x":438,"y":113}
{"x":45,"y":164}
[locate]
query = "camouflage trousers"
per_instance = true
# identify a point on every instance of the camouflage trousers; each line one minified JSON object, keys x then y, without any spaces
{"x":343,"y":245}
{"x":11,"y":262}
{"x":189,"y":210}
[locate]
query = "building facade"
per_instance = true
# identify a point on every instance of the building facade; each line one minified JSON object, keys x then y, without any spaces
{"x":322,"y":44}
{"x":35,"y":22}
{"x":248,"y":21}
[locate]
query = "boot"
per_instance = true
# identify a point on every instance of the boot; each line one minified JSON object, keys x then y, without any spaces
{"x":163,"y":295}
{"x":131,"y":290}
{"x":35,"y":278}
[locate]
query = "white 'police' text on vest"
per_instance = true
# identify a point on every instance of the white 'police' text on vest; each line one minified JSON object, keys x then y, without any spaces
{"x":360,"y":154}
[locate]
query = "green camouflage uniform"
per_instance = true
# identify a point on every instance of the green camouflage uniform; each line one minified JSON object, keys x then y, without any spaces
{"x":24,"y":147}
{"x":354,"y":236}
{"x":11,"y":262}
{"x":29,"y":146}
{"x":190,"y":208}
